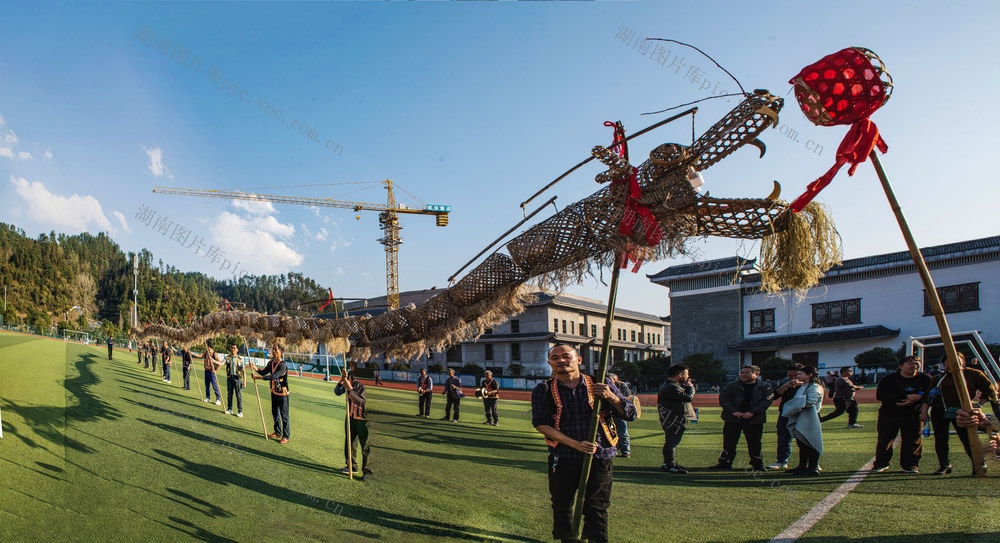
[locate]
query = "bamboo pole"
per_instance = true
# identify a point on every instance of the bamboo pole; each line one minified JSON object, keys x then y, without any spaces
{"x":599,"y":376}
{"x":942,"y":322}
{"x":347,"y":419}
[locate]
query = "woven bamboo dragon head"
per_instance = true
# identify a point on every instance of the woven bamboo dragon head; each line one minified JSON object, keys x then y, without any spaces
{"x":656,"y":200}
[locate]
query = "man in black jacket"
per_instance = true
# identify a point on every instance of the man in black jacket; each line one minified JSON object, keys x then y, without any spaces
{"x":671,"y":404}
{"x":901,"y":394}
{"x":744,"y":403}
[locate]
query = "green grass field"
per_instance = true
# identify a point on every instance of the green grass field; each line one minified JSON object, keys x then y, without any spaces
{"x":104,"y":451}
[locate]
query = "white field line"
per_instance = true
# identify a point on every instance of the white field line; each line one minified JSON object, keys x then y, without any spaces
{"x":808,"y":520}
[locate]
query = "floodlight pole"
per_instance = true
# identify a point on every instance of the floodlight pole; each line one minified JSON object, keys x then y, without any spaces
{"x":942,"y":322}
{"x":135,"y":290}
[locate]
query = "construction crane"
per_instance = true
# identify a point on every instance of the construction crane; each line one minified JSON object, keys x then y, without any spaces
{"x":388,"y":220}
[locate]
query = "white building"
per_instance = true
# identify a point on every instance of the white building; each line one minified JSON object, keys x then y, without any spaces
{"x":876,"y":301}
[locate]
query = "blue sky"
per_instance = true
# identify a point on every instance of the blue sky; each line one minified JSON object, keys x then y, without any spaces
{"x":469,"y":104}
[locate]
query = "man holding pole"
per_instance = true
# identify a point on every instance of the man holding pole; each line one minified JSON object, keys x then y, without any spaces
{"x":561,"y":409}
{"x":186,"y":363}
{"x":425,"y":389}
{"x":166,"y":362}
{"x":357,"y":431}
{"x":236,"y":379}
{"x":277,"y":373}
{"x":212,"y":365}
{"x":453,"y":395}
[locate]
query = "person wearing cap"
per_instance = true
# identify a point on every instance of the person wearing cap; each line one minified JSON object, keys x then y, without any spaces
{"x":277,"y":373}
{"x":356,"y":425}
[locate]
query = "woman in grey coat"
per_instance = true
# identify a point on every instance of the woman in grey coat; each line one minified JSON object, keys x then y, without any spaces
{"x":803,"y":421}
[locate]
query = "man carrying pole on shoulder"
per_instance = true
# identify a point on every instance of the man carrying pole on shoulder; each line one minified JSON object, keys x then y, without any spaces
{"x":561,"y":409}
{"x":356,"y":425}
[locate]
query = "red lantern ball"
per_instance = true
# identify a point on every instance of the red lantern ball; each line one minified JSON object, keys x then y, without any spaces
{"x":842,"y":88}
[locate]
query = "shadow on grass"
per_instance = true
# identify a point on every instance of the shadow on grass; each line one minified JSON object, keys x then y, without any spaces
{"x":533,"y":466}
{"x":301,"y":464}
{"x":455,"y":435}
{"x":377,"y":517}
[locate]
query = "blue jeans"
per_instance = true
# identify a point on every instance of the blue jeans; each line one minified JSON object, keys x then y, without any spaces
{"x":210,"y":380}
{"x":621,"y":427}
{"x":784,"y":441}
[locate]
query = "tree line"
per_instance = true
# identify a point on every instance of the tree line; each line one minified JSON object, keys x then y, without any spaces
{"x":47,"y":278}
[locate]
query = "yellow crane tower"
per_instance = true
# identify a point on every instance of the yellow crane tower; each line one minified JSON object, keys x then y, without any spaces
{"x":388,"y":220}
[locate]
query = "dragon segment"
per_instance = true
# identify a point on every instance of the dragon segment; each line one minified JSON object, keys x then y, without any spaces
{"x":567,"y":246}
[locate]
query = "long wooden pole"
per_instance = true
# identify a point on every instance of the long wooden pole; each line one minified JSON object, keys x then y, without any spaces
{"x":942,"y":322}
{"x":599,"y":376}
{"x":347,"y":418}
{"x":263,"y":426}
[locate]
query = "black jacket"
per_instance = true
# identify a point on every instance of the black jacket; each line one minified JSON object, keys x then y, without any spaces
{"x":731,"y":397}
{"x":670,"y":403}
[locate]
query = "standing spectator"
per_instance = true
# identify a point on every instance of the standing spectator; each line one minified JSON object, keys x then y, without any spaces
{"x":744,"y":405}
{"x":942,"y":398}
{"x":785,"y":391}
{"x":425,"y":389}
{"x":152,"y":355}
{"x":672,"y":403}
{"x":186,"y":366}
{"x":901,"y":394}
{"x":843,"y":399}
{"x":111,"y":346}
{"x":453,"y":395}
{"x":624,"y":447}
{"x":378,"y":378}
{"x":802,"y":412}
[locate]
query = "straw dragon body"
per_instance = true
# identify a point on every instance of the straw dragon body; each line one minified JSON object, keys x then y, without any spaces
{"x":559,"y":250}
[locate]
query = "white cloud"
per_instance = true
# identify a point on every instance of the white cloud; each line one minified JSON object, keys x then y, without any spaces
{"x":6,"y":152}
{"x":322,"y":234}
{"x":156,"y":162}
{"x":338,"y":271}
{"x":11,"y":137}
{"x":340,"y":243}
{"x":48,"y":154}
{"x":121,"y":219}
{"x":1,"y":120}
{"x":70,"y":214}
{"x":24,"y":155}
{"x":259,"y":242}
{"x":255,"y":207}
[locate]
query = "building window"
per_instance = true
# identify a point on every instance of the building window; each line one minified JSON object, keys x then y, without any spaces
{"x":430,"y":355}
{"x":515,"y":351}
{"x":555,"y":325}
{"x":806,"y":359}
{"x":488,"y":331}
{"x":515,"y":326}
{"x":564,"y":326}
{"x":758,"y":357}
{"x":572,"y":327}
{"x":658,"y":339}
{"x":633,"y":336}
{"x":837,"y":313}
{"x":489,"y":351}
{"x":955,"y":298}
{"x":762,"y":321}
{"x":454,"y":354}
{"x":593,"y":330}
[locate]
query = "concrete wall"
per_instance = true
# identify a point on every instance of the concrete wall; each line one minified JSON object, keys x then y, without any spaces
{"x":705,"y":322}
